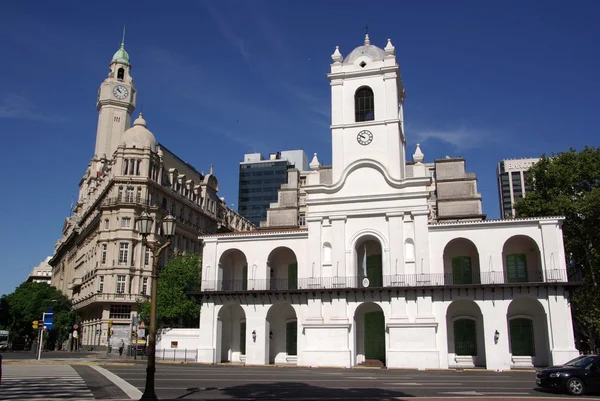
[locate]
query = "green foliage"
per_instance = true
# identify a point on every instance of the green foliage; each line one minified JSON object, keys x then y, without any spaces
{"x":174,"y":307}
{"x":28,"y":303}
{"x":568,"y":184}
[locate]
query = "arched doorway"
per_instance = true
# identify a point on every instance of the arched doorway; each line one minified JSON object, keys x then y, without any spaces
{"x":522,"y":261}
{"x":369,"y":327}
{"x":369,"y":262}
{"x":231,"y":334}
{"x":233,"y":271}
{"x":464,"y":331}
{"x":528,"y":333}
{"x":461,"y":262}
{"x":283,"y":334}
{"x":283,"y":266}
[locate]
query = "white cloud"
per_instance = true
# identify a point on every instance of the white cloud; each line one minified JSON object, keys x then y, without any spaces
{"x":461,"y":138}
{"x":226,"y":29}
{"x":19,"y":107}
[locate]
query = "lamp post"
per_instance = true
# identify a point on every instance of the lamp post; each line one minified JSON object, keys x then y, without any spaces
{"x":156,"y":247}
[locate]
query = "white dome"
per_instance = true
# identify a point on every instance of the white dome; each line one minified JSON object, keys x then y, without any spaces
{"x":139,"y":136}
{"x":369,"y":50}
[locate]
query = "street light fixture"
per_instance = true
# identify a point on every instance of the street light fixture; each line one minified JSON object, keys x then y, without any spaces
{"x":156,"y":247}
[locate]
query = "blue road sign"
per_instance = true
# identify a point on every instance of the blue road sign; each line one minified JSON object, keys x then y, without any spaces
{"x":48,"y":320}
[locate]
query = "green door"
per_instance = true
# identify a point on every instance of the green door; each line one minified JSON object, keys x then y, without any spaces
{"x":293,"y":276}
{"x":374,"y":271}
{"x":521,"y":337}
{"x":243,"y":338}
{"x":375,"y":336}
{"x":465,"y":337}
{"x":462,"y":270}
{"x":516,"y":268}
{"x":291,"y":338}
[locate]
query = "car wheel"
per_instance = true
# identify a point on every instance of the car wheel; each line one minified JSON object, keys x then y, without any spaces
{"x":575,"y":386}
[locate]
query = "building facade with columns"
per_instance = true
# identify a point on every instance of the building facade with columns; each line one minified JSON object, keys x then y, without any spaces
{"x":371,"y":279}
{"x":100,"y":262}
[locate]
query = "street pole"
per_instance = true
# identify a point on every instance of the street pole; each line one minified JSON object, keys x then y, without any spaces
{"x":149,"y":393}
{"x":40,"y":339}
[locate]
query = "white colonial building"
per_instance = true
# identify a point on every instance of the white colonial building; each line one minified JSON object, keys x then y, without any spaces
{"x":370,"y":280}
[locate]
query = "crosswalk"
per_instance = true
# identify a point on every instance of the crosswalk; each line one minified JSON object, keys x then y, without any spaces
{"x":42,"y":382}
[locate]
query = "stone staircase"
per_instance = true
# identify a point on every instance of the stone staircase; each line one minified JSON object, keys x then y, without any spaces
{"x":372,"y":363}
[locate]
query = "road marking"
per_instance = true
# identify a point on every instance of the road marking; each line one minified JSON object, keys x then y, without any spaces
{"x":127,"y":388}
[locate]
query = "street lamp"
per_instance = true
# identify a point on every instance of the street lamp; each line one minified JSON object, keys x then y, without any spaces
{"x":156,"y":247}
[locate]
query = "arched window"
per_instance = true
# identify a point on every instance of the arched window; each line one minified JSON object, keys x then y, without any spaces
{"x":121,"y":74}
{"x":364,"y":104}
{"x":409,"y":250}
{"x":326,"y":253}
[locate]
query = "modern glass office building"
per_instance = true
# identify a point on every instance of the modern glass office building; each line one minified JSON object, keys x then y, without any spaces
{"x":512,"y":183}
{"x":261,"y":178}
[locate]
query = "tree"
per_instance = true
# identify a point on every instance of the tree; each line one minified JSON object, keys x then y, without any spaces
{"x":568,"y":184}
{"x":174,"y":307}
{"x":28,"y":303}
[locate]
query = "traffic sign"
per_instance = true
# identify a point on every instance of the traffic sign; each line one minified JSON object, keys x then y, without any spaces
{"x":48,"y":320}
{"x":75,"y":326}
{"x":142,"y":325}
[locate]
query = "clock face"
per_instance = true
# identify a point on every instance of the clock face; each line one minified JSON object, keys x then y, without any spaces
{"x":364,"y":137}
{"x":120,"y":92}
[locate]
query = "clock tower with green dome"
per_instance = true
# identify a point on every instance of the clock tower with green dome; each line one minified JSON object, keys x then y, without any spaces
{"x":115,"y":103}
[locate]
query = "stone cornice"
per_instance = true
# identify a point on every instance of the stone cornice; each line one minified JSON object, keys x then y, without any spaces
{"x":521,"y":221}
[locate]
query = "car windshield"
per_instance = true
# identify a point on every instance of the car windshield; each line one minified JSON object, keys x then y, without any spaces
{"x":581,"y":362}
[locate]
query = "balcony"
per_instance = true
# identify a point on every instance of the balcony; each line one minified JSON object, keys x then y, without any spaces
{"x":129,"y":201}
{"x":390,"y":281}
{"x":108,"y":297}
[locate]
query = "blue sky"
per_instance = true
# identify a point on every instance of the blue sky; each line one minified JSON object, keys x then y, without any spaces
{"x":216,"y":79}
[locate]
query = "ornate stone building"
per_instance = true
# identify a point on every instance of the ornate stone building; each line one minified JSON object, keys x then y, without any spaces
{"x":100,"y":262}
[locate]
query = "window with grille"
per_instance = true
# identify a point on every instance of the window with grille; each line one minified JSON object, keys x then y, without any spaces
{"x":291,"y":338}
{"x":521,"y":337}
{"x":364,"y":104}
{"x":129,"y":194}
{"x":465,"y":337}
{"x":243,"y":338}
{"x":106,"y":224}
{"x":121,"y":284}
{"x":103,"y":254}
{"x":101,"y":285}
{"x":302,"y":220}
{"x":147,"y":257}
{"x":120,"y":311}
{"x":145,"y":286}
{"x":123,"y":252}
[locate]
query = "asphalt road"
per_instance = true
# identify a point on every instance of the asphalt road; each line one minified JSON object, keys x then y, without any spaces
{"x":193,"y":382}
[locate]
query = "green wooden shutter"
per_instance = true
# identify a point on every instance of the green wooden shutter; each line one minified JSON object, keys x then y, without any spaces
{"x":374,"y":271}
{"x":291,"y":338}
{"x":293,"y":276}
{"x":245,"y":278}
{"x":465,"y":337}
{"x":516,"y":268}
{"x":462,"y":270}
{"x":243,"y":338}
{"x":522,"y":341}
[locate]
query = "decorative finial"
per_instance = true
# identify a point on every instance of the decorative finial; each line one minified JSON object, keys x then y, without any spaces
{"x":211,"y":169}
{"x":337,"y":56}
{"x":389,"y":48}
{"x":367,"y":41}
{"x":123,"y":40}
{"x":315,"y":164}
{"x":418,"y":156}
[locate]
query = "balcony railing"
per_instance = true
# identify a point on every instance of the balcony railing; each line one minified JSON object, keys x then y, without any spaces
{"x":396,"y":281}
{"x":125,"y":200}
{"x":104,"y":297}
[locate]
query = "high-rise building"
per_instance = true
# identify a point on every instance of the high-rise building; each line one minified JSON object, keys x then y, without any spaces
{"x":100,"y":262}
{"x":512,"y":183}
{"x":261,"y":178}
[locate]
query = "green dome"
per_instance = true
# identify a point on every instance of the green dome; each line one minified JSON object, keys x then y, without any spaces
{"x":121,"y":56}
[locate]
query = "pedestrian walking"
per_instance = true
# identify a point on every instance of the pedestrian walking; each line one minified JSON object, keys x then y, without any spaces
{"x":121,"y":347}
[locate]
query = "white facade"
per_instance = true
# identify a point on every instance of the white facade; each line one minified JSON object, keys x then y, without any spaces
{"x":370,"y":280}
{"x":42,"y":273}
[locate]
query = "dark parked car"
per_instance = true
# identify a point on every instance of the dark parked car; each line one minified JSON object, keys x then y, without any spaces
{"x":577,"y":377}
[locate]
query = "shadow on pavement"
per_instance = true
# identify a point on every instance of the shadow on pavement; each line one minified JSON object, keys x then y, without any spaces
{"x":294,"y":390}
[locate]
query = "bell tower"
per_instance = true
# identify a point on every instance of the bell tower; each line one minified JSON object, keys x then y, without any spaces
{"x":367,"y":100}
{"x":115,"y":103}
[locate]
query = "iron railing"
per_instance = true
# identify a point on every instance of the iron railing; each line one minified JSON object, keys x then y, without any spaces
{"x":395,"y":280}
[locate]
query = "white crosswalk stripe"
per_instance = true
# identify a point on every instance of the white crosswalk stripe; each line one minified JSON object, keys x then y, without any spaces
{"x":42,"y":382}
